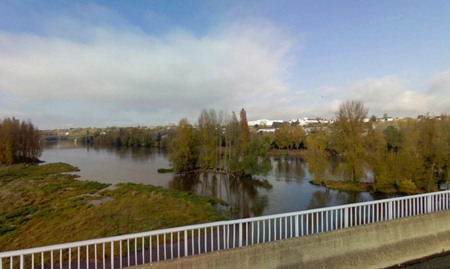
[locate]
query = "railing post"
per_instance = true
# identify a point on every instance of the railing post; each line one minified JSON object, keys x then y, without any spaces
{"x":296,"y":225}
{"x":240,"y":234}
{"x":429,"y":204}
{"x":22,"y":261}
{"x":185,"y":243}
{"x":346,"y":216}
{"x":389,"y":210}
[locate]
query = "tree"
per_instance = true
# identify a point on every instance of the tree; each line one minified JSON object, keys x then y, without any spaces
{"x":19,"y":141}
{"x":232,"y":144}
{"x":298,"y":136}
{"x":283,"y":136}
{"x":256,"y":161}
{"x":245,"y":131}
{"x":207,"y":138}
{"x":393,"y":137}
{"x":184,"y":155}
{"x":349,"y":130}
{"x":317,"y":157}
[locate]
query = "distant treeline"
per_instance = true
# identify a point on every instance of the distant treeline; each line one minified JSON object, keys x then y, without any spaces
{"x":20,"y":141}
{"x":127,"y":137}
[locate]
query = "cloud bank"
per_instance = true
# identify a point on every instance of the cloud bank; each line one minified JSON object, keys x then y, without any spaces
{"x":121,"y":74}
{"x":88,"y":66}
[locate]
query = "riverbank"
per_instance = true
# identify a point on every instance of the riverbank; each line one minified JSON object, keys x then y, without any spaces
{"x":343,"y":185}
{"x":43,"y":205}
{"x":292,"y":152}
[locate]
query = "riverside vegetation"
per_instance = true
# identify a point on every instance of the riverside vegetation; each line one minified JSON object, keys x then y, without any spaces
{"x":37,"y":202}
{"x":406,"y":157}
{"x":41,"y":205}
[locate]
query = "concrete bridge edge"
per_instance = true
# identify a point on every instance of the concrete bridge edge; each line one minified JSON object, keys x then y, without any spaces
{"x":376,"y":245}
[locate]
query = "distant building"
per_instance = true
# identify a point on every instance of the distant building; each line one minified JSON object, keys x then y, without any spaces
{"x":269,"y":130}
{"x":263,"y":122}
{"x":305,"y":121}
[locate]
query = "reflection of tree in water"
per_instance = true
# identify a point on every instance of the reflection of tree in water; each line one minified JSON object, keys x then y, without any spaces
{"x":137,"y":154}
{"x":186,"y":182}
{"x":241,"y":194}
{"x":321,"y":198}
{"x":289,"y":168}
{"x":326,"y":197}
{"x":344,"y":198}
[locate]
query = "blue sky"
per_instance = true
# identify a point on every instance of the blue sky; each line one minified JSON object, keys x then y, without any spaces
{"x":129,"y":63}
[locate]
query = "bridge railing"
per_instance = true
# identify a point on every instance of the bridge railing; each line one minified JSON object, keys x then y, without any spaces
{"x":147,"y":247}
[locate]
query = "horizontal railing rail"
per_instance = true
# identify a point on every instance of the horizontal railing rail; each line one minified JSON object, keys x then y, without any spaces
{"x":146,"y":247}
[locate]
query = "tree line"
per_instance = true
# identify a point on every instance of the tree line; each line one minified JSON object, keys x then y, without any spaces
{"x":20,"y":141}
{"x":126,"y":137}
{"x":408,"y":156}
{"x":221,"y":143}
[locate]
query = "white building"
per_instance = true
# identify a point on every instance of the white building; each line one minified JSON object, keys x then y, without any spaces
{"x":263,"y":122}
{"x":304,"y":121}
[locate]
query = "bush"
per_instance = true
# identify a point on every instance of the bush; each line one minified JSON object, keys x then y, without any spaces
{"x":165,"y":170}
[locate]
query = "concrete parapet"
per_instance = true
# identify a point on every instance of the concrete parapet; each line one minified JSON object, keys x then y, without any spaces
{"x":376,"y":245}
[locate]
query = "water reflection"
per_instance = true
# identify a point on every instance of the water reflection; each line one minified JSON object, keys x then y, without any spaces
{"x":285,"y":189}
{"x":289,"y":168}
{"x":327,"y":197}
{"x":242,"y":195}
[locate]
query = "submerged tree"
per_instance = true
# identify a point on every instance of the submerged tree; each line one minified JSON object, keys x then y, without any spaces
{"x":184,"y":155}
{"x":19,"y":141}
{"x":208,"y":138}
{"x":317,"y":157}
{"x":231,"y":149}
{"x":349,"y":130}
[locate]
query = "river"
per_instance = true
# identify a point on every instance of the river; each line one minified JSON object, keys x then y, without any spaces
{"x":286,"y":188}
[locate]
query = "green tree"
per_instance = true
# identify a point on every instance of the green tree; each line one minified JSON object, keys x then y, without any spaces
{"x":381,"y":161}
{"x":298,"y":136}
{"x":394,"y":138}
{"x":256,"y":161}
{"x":232,"y":145}
{"x":317,"y":157}
{"x":349,"y":131}
{"x":184,"y":154}
{"x":207,"y":138}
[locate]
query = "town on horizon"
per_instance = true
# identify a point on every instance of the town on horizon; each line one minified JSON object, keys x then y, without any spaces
{"x":260,"y":123}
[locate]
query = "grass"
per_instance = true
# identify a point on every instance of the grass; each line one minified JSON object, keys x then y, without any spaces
{"x":41,"y":205}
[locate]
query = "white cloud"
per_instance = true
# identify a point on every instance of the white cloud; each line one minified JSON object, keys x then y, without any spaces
{"x":440,"y":83}
{"x":392,"y":95}
{"x":120,"y":70}
{"x":389,"y":94}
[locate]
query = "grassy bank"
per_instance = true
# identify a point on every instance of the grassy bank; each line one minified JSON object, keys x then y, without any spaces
{"x":39,"y":205}
{"x":349,"y":186}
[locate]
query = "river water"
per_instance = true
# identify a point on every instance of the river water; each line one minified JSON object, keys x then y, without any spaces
{"x":286,"y":188}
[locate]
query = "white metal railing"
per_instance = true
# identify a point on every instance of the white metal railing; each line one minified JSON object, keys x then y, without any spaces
{"x":147,"y":247}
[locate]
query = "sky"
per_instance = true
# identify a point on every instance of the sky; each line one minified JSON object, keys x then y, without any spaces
{"x":128,"y":63}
